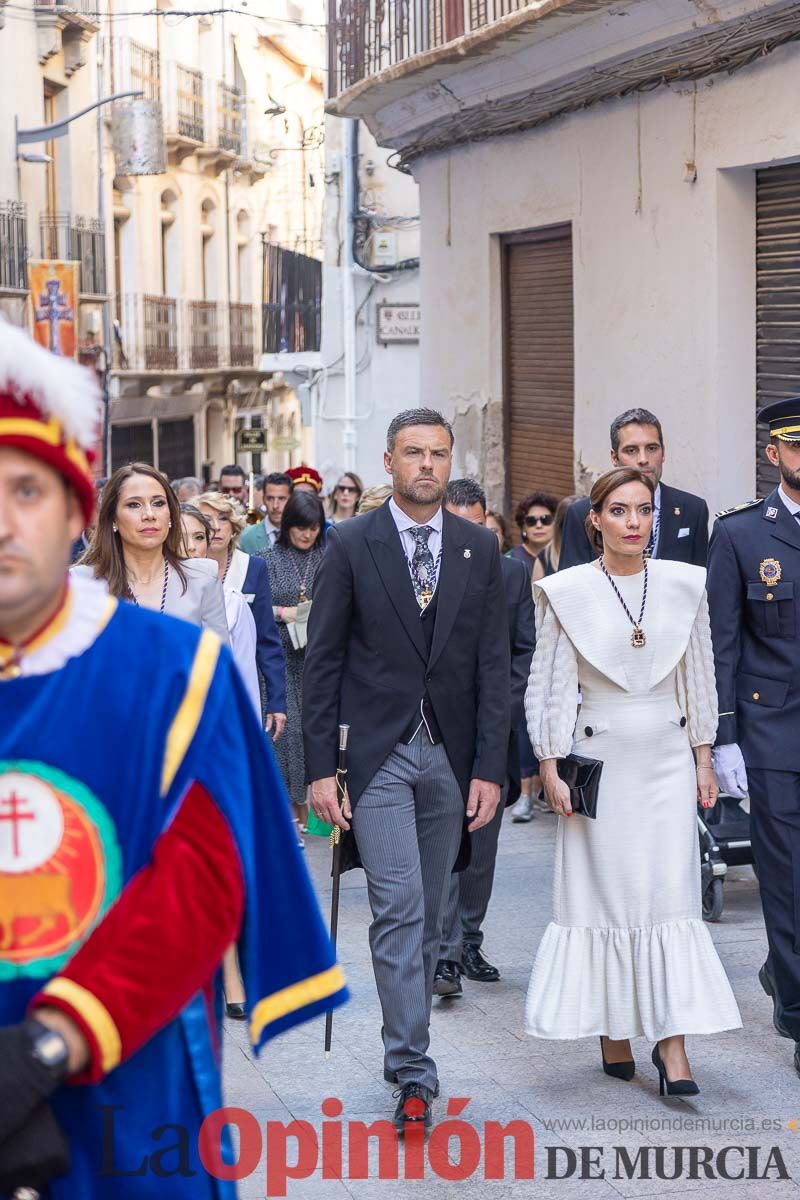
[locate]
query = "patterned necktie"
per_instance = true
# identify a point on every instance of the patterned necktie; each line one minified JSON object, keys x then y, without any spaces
{"x":423,"y":569}
{"x":650,"y":548}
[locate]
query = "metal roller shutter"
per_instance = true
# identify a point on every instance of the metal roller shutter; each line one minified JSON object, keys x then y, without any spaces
{"x":539,"y":366}
{"x":777,"y":299}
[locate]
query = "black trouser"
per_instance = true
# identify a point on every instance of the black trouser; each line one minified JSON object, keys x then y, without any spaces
{"x":775,"y":834}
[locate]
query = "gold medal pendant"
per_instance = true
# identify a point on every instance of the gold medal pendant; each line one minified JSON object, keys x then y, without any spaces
{"x":637,"y":637}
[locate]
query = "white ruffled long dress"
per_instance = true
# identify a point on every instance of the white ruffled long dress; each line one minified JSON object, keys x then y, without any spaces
{"x":627,"y":953}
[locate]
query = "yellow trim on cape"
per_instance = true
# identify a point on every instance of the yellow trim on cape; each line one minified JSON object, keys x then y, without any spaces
{"x":296,"y":996}
{"x":8,"y":651}
{"x":94,"y":1013}
{"x":45,"y":431}
{"x":187,"y":718}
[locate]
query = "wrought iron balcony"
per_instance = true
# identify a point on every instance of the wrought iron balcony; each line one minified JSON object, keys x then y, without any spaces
{"x":242,"y":335}
{"x":184,"y":109}
{"x":204,"y":333}
{"x":230,"y":104}
{"x":366,"y":36}
{"x":292,"y":311}
{"x":13,"y":246}
{"x":77,"y":239}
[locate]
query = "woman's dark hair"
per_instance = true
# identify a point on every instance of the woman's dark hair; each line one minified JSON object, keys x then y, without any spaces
{"x":544,"y":499}
{"x":303,"y":510}
{"x":554,"y":548}
{"x":501,"y":521}
{"x":359,"y":490}
{"x":189,"y":510}
{"x":105,"y":555}
{"x":603,"y":487}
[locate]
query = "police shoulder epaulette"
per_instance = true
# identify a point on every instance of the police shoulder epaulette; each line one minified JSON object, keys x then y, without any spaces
{"x":726,"y":512}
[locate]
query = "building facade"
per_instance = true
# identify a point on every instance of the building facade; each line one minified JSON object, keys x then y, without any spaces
{"x":610,"y":200}
{"x":176,"y":267}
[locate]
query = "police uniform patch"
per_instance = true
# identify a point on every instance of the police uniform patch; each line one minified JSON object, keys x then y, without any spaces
{"x":726,"y":512}
{"x":771,"y":514}
{"x":770,"y":571}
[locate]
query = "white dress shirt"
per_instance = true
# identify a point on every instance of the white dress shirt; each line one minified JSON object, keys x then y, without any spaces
{"x":792,"y":505}
{"x":404,"y":523}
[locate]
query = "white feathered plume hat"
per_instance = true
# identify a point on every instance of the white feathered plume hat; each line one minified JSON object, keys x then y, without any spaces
{"x":50,"y":408}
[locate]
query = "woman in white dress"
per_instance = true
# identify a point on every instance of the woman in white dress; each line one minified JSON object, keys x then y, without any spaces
{"x":627,"y":639}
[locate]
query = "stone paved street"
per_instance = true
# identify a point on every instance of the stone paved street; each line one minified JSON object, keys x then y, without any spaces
{"x":483,"y":1053}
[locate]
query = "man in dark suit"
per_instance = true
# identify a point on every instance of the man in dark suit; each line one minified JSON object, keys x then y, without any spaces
{"x":754,"y":599}
{"x":408,"y":645}
{"x":471,"y":889}
{"x":680,"y":520}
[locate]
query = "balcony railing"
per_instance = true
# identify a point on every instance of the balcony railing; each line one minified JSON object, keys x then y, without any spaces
{"x":291,"y":316}
{"x":77,"y":239}
{"x":87,"y":9}
{"x":366,"y":36}
{"x":230,"y":104}
{"x":13,"y":246}
{"x":204,"y":333}
{"x":161,"y":333}
{"x":242,"y":335}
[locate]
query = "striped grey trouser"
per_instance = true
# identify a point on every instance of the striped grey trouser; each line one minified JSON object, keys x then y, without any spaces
{"x":470,"y":890}
{"x":407,"y":824}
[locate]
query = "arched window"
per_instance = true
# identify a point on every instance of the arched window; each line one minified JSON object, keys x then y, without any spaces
{"x":170,"y":245}
{"x":244,"y":268}
{"x":208,"y":218}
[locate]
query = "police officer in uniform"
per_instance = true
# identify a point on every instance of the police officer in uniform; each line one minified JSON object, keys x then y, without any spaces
{"x":754,"y":598}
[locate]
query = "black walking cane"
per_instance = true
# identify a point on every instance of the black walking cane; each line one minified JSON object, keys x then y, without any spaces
{"x":336,"y":846}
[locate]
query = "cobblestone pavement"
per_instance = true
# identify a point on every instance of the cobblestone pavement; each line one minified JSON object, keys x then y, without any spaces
{"x":746,"y":1076}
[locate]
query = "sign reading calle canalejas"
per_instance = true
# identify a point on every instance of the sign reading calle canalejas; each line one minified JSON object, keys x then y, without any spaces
{"x":397,"y":323}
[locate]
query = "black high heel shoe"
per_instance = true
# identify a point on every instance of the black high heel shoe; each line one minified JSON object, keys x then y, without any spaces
{"x":620,"y":1070}
{"x":678,"y":1087}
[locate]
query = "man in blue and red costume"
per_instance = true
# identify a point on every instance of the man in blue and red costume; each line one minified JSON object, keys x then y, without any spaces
{"x":143,"y":828}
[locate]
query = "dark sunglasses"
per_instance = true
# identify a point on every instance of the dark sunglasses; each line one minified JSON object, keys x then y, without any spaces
{"x":531,"y":521}
{"x":346,"y":487}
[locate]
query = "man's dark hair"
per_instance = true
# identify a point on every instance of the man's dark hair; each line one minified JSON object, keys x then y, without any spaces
{"x":303,"y":509}
{"x":415,"y":416}
{"x":634,"y":416}
{"x":233,"y":469}
{"x":278,"y":479}
{"x":461,"y":493}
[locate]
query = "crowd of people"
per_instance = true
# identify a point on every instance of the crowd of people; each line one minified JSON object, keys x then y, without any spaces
{"x":594,"y":670}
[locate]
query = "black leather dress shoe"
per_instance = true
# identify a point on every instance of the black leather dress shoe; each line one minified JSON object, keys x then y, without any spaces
{"x":413,"y":1107}
{"x":476,"y":967}
{"x":391,"y":1077}
{"x":447,"y":980}
{"x":236,"y":1012}
{"x":768,"y":984}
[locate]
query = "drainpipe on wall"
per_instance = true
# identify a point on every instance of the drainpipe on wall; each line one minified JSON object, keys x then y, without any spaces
{"x":349,"y":432}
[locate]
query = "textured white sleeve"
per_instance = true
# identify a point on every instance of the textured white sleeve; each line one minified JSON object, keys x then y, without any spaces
{"x":697,"y":685}
{"x":551,"y":698}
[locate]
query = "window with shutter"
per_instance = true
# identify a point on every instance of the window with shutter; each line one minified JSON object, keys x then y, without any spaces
{"x":539,"y":395}
{"x":777,"y":299}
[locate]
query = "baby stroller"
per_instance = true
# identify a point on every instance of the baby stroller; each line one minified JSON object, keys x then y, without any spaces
{"x":724,"y":832}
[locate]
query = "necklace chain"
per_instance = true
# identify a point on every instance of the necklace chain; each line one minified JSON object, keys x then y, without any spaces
{"x":163,"y":590}
{"x":637,"y":637}
{"x":301,"y":579}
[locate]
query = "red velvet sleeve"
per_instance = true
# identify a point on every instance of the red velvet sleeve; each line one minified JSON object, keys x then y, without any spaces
{"x":160,"y":943}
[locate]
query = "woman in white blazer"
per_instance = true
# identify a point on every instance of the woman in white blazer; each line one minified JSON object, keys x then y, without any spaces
{"x":136,"y":548}
{"x":626,"y":953}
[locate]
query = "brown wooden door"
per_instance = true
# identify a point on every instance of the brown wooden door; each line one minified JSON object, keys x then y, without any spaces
{"x":539,"y":363}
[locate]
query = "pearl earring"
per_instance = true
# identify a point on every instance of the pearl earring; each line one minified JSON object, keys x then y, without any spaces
{"x":170,"y":524}
{"x":114,"y":528}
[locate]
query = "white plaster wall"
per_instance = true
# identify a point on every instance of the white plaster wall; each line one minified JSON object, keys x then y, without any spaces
{"x":388,"y":379}
{"x":664,"y":275}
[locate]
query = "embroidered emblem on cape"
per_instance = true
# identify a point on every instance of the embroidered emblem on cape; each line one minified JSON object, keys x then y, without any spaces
{"x":770,"y":571}
{"x":60,"y":867}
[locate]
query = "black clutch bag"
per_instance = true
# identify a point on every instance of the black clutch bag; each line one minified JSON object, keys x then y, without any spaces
{"x":582,"y":777}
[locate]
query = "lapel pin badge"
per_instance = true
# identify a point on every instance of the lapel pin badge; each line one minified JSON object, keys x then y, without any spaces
{"x":771,"y":514}
{"x":467,"y":554}
{"x":676,"y":512}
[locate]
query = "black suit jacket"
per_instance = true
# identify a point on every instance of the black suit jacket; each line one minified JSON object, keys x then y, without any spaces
{"x":367,"y":665}
{"x":755,"y":629}
{"x":679,"y":511}
{"x":522,"y":638}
